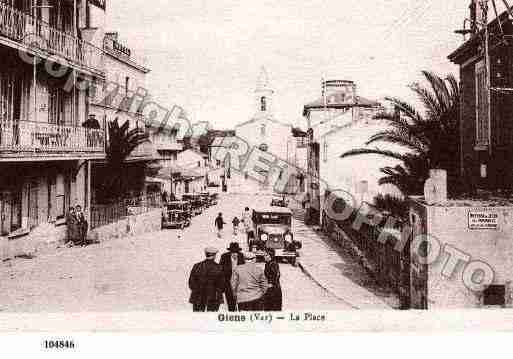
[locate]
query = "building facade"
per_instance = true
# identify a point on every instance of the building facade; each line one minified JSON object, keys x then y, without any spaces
{"x":337,"y":122}
{"x":486,"y":130}
{"x":265,"y":133}
{"x":45,"y":151}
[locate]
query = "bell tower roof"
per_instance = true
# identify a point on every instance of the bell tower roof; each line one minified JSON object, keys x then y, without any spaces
{"x":263,"y":81}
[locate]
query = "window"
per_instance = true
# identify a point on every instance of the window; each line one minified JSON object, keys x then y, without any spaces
{"x":482,"y":106}
{"x":127,"y":82}
{"x":494,"y":295}
{"x":262,"y":130}
{"x":199,"y":163}
{"x":263,"y":103}
{"x":325,"y":151}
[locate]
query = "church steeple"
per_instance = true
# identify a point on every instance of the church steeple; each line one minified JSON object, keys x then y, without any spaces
{"x":263,"y":92}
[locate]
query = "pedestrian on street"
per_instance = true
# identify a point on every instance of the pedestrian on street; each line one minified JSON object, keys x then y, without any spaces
{"x":82,"y":225}
{"x":235,"y":223}
{"x":273,"y":297}
{"x":249,"y":284}
{"x":248,"y":224}
{"x":72,"y":235}
{"x":229,"y":261}
{"x":206,"y":283}
{"x":219,"y":223}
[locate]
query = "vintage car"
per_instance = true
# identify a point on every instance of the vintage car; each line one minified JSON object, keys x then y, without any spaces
{"x":176,"y":214}
{"x":279,"y":201}
{"x":195,"y":201}
{"x":213,"y":199}
{"x":205,"y":199}
{"x":272,"y":229}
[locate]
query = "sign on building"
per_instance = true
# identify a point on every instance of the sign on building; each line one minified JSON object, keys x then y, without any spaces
{"x":482,"y":219}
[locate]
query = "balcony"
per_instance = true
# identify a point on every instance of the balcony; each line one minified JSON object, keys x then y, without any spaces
{"x":35,"y":34}
{"x":23,"y":139}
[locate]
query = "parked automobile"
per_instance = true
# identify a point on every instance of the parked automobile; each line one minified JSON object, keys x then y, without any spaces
{"x":273,"y":229}
{"x":205,"y":199}
{"x":176,"y":214}
{"x":214,"y":199}
{"x":195,"y":201}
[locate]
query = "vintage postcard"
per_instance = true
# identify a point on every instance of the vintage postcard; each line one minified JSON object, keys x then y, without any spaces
{"x":255,"y":166}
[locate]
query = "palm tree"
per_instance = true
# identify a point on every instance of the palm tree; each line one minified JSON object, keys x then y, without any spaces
{"x":429,"y":139}
{"x":122,"y":142}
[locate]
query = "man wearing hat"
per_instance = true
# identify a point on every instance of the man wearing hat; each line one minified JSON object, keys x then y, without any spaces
{"x":206,"y":283}
{"x":249,"y":284}
{"x":229,"y":261}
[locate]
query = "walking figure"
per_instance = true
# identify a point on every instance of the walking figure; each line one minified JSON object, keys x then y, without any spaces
{"x":229,"y":261}
{"x":273,"y":297}
{"x":206,"y":283}
{"x":249,"y":284}
{"x":219,"y":223}
{"x":235,"y":223}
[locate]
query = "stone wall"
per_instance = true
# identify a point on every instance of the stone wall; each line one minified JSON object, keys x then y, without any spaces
{"x":48,"y":236}
{"x":450,"y":225}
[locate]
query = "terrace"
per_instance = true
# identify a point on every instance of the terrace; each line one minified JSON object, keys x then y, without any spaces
{"x":39,"y":139}
{"x":25,"y":32}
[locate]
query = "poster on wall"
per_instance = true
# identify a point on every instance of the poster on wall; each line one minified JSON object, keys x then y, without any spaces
{"x":482,"y":219}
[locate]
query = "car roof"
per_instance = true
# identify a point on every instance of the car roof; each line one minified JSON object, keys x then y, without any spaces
{"x":272,"y":209}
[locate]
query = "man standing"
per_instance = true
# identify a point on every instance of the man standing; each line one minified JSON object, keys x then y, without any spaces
{"x":206,"y":283}
{"x":249,"y":284}
{"x":219,"y":222}
{"x":229,"y":261}
{"x":81,"y":225}
{"x":248,"y":224}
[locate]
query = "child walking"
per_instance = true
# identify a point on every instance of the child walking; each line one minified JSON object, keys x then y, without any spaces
{"x":235,"y":223}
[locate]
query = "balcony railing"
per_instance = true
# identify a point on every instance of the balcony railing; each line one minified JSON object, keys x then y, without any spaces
{"x":39,"y":35}
{"x":26,"y":136}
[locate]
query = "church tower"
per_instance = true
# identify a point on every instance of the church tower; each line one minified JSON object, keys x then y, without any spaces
{"x":263,"y":94}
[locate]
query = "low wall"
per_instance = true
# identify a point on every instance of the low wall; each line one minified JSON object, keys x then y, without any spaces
{"x":48,"y":236}
{"x":42,"y":238}
{"x":147,"y":222}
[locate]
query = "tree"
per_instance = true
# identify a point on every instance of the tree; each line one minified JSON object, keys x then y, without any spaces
{"x":115,"y":181}
{"x":429,"y":139}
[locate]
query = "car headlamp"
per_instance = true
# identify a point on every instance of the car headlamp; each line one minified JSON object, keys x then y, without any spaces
{"x":288,"y":237}
{"x":264,"y":237}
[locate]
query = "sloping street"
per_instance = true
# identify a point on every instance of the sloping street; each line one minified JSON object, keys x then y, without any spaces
{"x":140,"y":273}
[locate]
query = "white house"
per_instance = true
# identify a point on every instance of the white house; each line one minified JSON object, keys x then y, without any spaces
{"x":194,"y":167}
{"x":338,"y":122}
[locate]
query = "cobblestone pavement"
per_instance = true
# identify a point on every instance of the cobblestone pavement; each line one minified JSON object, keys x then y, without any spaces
{"x":143,"y":273}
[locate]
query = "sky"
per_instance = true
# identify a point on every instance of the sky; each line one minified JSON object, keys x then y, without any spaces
{"x":206,"y":55}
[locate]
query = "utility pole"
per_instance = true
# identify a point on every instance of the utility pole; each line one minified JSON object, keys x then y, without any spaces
{"x":484,"y":18}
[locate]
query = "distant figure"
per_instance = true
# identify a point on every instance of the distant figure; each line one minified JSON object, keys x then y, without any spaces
{"x":235,"y":223}
{"x":248,"y":223}
{"x":82,"y":226}
{"x":219,"y":223}
{"x":273,"y":297}
{"x":206,"y":283}
{"x":164,"y":197}
{"x":249,"y":284}
{"x":229,"y":261}
{"x":71,"y":227}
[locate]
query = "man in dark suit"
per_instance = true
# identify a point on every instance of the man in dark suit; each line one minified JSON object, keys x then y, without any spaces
{"x":206,"y":283}
{"x":228,"y":262}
